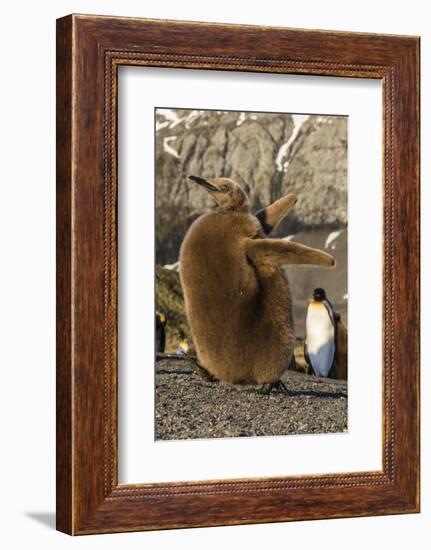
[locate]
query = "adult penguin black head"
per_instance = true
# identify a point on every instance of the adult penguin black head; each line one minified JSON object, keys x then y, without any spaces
{"x":228,"y":195}
{"x":319,"y":294}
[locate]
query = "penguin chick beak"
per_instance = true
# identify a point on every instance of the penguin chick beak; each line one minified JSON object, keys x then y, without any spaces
{"x":204,"y":183}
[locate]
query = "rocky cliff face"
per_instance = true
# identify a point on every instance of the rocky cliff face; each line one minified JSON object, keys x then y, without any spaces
{"x":269,"y":154}
{"x":315,"y":169}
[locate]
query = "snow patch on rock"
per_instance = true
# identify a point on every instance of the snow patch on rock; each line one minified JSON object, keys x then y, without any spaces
{"x":168,"y":149}
{"x":298,"y":121}
{"x":331,"y":237}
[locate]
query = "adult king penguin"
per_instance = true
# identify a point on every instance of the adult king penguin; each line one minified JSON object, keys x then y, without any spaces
{"x":320,"y":334}
{"x":237,"y":298}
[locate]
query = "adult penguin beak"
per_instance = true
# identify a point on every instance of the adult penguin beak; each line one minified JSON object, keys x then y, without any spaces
{"x":204,"y":183}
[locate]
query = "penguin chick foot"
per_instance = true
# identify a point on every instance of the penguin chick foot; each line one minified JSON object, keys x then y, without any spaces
{"x":279,"y":387}
{"x":201,"y":371}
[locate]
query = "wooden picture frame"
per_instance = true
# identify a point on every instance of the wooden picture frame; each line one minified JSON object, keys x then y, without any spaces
{"x":89,"y":51}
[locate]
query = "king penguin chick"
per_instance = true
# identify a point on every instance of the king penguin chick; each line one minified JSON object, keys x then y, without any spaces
{"x":320,"y":334}
{"x":237,"y":298}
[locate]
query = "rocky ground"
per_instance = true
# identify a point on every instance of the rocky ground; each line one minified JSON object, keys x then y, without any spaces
{"x":189,"y":406}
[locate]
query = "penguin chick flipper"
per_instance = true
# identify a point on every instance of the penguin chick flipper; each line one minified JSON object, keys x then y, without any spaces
{"x":279,"y":252}
{"x":272,"y":215}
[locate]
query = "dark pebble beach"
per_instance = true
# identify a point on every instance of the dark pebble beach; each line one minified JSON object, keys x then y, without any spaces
{"x":188,"y":406}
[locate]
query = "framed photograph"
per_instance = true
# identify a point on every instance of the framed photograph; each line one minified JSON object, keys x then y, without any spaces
{"x":237,"y":274}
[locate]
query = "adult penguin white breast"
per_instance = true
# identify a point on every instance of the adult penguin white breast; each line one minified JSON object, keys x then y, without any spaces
{"x":320,"y":334}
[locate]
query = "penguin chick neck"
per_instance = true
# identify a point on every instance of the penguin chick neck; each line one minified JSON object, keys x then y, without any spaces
{"x":228,"y":194}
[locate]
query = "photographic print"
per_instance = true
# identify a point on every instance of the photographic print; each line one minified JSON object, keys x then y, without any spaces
{"x":204,"y":211}
{"x":251,"y":234}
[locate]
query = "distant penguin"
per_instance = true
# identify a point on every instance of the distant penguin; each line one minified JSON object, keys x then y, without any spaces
{"x":160,"y":332}
{"x":237,"y":297}
{"x":183,"y":346}
{"x":320,"y":334}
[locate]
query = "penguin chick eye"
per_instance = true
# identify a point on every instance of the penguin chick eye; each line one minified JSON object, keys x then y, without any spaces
{"x":224,"y":188}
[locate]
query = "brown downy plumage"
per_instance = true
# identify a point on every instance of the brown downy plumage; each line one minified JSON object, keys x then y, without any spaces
{"x":237,"y":299}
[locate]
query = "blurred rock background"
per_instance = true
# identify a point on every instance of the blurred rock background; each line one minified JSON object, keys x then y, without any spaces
{"x":270,"y":154}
